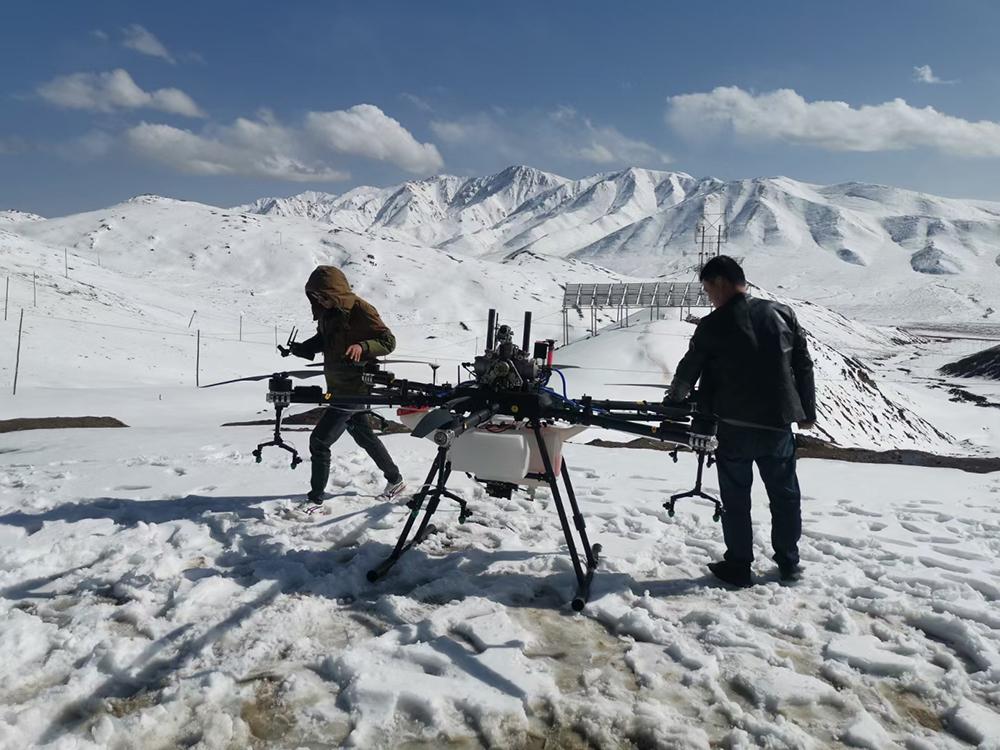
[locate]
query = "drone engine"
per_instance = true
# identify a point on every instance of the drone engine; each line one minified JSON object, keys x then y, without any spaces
{"x":504,"y":366}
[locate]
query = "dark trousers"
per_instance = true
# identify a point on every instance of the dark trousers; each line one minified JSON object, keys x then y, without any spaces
{"x":774,"y":453}
{"x":331,"y":426}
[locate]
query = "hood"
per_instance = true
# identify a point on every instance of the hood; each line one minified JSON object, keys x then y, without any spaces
{"x":331,"y":286}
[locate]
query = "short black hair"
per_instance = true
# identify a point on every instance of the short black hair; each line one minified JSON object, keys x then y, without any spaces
{"x":723,"y":267}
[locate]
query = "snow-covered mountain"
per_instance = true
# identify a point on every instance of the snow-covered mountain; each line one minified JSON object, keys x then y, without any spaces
{"x":863,"y":249}
{"x":145,"y":274}
{"x":16,"y":217}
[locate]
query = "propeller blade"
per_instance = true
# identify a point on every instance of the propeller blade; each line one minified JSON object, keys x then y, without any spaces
{"x":661,"y":386}
{"x":385,"y":362}
{"x":433,"y":420}
{"x":237,"y":380}
{"x":301,"y":374}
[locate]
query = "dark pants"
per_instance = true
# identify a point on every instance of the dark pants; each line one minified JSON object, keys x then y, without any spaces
{"x":774,"y":453}
{"x":331,"y":426}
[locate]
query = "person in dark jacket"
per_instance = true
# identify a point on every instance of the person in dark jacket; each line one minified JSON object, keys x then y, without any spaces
{"x":348,"y":330}
{"x":757,"y":378}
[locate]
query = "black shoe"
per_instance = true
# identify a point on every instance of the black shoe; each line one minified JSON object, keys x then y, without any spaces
{"x":316,"y":498}
{"x":734,"y":573}
{"x":790,"y":573}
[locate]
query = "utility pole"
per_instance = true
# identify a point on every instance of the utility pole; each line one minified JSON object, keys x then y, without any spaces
{"x":710,"y":234}
{"x":17,"y":359}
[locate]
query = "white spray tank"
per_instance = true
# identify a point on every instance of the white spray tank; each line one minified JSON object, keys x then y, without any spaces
{"x":502,"y":450}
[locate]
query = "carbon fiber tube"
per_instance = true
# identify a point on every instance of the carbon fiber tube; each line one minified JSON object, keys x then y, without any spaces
{"x":491,"y":325}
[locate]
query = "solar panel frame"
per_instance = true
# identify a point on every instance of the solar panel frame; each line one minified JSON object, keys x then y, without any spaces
{"x":635,"y":294}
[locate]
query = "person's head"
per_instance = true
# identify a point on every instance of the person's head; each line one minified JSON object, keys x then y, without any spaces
{"x":328,"y":288}
{"x":722,"y":278}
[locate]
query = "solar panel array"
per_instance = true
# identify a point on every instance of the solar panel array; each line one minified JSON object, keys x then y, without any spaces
{"x":638,"y":294}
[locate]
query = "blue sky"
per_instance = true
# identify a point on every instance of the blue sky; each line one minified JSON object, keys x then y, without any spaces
{"x":223,"y":101}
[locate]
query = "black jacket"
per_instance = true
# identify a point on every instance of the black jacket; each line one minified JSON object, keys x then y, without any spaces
{"x":754,"y":365}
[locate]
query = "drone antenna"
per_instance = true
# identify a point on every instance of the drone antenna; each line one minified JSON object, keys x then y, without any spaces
{"x":491,"y":325}
{"x":527,"y":332}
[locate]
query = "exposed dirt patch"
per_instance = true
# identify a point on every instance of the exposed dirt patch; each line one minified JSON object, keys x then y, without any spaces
{"x":57,"y":423}
{"x":312,"y":416}
{"x":984,"y":364}
{"x":267,"y":715}
{"x":808,"y":447}
{"x":120,"y":707}
{"x":960,"y":395}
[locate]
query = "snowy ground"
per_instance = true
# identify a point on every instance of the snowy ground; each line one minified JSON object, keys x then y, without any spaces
{"x":152,"y":594}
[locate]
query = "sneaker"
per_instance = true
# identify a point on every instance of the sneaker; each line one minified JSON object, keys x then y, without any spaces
{"x":790,"y":573}
{"x":392,"y":489}
{"x":304,"y":508}
{"x":733,"y":573}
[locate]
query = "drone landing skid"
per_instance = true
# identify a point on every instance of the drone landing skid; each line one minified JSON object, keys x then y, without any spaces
{"x":277,"y":441}
{"x":435,"y":488}
{"x":431,"y":491}
{"x":696,"y":492}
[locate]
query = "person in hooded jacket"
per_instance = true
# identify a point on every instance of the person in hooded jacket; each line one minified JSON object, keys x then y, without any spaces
{"x":348,"y":331}
{"x":756,"y":376}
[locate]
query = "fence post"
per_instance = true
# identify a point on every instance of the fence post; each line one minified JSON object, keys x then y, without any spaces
{"x":17,"y":359}
{"x":197,"y":360}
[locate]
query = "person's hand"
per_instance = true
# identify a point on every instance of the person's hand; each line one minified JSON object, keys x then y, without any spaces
{"x":354,"y":352}
{"x":807,"y":424}
{"x":294,"y":348}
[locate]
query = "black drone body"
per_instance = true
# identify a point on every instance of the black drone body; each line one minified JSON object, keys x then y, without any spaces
{"x":508,"y":396}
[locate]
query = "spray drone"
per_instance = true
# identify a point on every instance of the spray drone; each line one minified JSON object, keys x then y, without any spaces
{"x":505,"y":428}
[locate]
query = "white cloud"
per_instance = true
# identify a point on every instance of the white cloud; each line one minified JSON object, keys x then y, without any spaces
{"x":924,"y":74}
{"x":107,"y":92}
{"x":100,"y":35}
{"x":140,"y":39}
{"x":259,"y":148}
{"x":417,"y":101}
{"x":365,"y":130}
{"x":564,"y":133}
{"x":784,"y":115}
{"x":87,"y":147}
{"x":264,"y":147}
